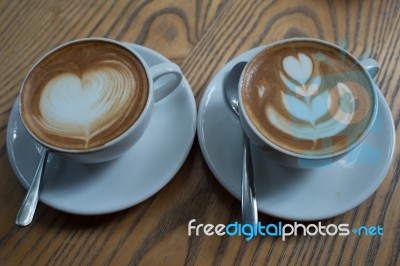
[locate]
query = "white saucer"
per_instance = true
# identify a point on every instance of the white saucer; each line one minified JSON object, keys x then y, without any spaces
{"x":121,"y":183}
{"x":292,"y":193}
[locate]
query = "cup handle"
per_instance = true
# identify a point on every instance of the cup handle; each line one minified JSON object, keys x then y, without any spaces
{"x":371,"y":66}
{"x":164,"y":87}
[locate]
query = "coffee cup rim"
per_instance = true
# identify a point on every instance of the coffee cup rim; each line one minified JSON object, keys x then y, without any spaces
{"x":110,"y":143}
{"x":266,"y":141}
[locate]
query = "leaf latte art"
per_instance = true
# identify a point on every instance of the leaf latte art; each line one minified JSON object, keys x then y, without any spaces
{"x":83,"y":96}
{"x":307,"y":97}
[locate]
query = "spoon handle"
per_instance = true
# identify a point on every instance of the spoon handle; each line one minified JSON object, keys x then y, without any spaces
{"x":249,"y":203}
{"x":28,"y":207}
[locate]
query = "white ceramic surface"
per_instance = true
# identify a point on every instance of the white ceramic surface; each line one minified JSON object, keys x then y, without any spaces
{"x":301,"y":71}
{"x":119,"y":184}
{"x":294,"y":194}
{"x":117,"y":146}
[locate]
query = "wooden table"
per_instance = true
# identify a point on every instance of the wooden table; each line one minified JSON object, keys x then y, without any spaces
{"x":201,"y":36}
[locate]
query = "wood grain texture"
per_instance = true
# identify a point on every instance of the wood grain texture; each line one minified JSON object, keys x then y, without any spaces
{"x":201,"y":36}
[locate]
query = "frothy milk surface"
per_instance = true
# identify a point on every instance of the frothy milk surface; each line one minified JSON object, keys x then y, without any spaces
{"x":84,"y":95}
{"x":307,"y":97}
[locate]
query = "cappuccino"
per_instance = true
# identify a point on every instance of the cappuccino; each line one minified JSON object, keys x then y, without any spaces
{"x":307,"y":97}
{"x":83,"y":95}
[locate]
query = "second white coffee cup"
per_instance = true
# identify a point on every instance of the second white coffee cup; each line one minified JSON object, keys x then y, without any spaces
{"x":367,"y":69}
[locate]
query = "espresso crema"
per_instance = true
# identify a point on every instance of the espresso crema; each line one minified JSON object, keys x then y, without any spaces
{"x":307,"y":97}
{"x":84,"y":95}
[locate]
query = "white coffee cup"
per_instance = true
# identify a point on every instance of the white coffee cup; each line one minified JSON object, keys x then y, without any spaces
{"x":291,"y":159}
{"x":117,"y":146}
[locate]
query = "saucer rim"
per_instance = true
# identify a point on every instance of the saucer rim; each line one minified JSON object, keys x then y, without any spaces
{"x":211,"y":87}
{"x":181,"y":158}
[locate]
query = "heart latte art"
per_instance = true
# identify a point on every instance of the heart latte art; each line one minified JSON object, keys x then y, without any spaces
{"x":82,"y":106}
{"x":307,"y":97}
{"x":84,"y":95}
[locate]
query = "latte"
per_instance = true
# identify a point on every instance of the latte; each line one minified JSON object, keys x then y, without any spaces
{"x":307,"y":97}
{"x":83,"y":95}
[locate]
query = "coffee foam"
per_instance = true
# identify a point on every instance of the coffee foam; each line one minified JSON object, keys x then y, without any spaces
{"x":84,"y":95}
{"x":307,"y":97}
